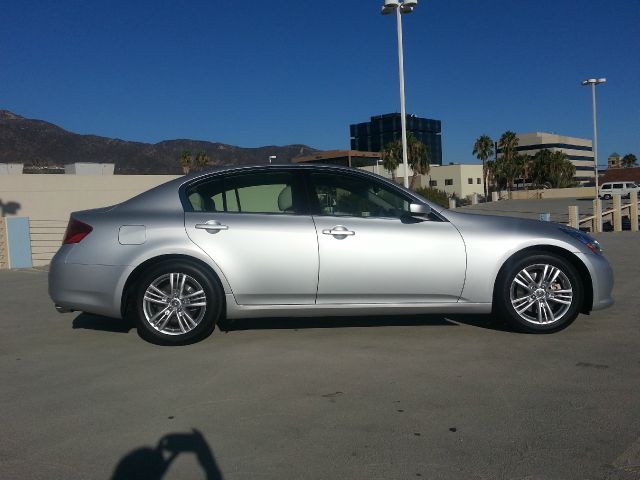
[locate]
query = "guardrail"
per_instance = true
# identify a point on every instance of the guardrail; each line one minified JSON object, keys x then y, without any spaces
{"x":614,"y":215}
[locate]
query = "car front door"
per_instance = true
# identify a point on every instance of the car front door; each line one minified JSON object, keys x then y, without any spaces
{"x":372,"y":251}
{"x":252,"y":225}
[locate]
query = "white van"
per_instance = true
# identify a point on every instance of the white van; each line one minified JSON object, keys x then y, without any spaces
{"x":609,"y":189}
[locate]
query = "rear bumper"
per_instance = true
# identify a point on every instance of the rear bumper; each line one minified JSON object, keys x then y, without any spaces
{"x":87,"y":288}
{"x":601,"y":279}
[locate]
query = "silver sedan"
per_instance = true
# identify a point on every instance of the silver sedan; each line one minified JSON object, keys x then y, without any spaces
{"x":312,"y":240}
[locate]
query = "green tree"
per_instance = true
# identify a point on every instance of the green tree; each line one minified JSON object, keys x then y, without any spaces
{"x":483,"y":150}
{"x":509,"y":165}
{"x":418,"y":158}
{"x":186,"y":161}
{"x":391,"y":158}
{"x":551,"y":168}
{"x":629,"y":160}
{"x":202,"y":160}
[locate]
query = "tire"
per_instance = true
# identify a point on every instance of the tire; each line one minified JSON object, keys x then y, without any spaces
{"x":607,"y":197}
{"x":184,"y":317}
{"x":533,"y":305}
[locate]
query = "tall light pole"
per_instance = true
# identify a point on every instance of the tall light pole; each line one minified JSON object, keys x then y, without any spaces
{"x":400,"y":8}
{"x":593,"y":82}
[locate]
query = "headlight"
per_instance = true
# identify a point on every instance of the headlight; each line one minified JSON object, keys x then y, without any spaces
{"x":591,"y":243}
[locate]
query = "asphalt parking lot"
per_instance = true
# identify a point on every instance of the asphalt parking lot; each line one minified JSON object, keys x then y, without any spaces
{"x":349,"y":398}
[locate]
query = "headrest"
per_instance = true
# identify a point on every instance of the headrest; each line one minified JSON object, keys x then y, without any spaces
{"x":285,"y":199}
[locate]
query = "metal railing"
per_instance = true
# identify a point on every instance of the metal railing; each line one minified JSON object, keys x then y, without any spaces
{"x":613,"y":215}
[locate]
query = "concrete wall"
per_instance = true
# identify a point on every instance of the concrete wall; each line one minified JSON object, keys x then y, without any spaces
{"x":48,"y":200}
{"x":553,"y":193}
{"x":80,"y":168}
{"x":11,"y":168}
{"x":54,"y":197}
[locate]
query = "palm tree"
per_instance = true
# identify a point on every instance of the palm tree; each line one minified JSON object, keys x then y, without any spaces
{"x":391,"y":156}
{"x":202,"y":160}
{"x":418,"y":158}
{"x":186,"y":161}
{"x":483,"y":149}
{"x":511,"y":165}
{"x":629,"y":160}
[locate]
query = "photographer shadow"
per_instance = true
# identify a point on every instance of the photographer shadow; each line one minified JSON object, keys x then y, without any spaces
{"x":152,"y":463}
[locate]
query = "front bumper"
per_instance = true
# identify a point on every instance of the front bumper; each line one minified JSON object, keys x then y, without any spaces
{"x":601,"y":279}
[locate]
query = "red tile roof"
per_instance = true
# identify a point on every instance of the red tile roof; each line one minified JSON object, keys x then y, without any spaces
{"x":621,"y":175}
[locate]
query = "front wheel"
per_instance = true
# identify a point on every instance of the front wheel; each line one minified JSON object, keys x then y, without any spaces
{"x":539,"y":293}
{"x":177,"y":303}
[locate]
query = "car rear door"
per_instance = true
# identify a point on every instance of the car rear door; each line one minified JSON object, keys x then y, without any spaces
{"x":253,"y":226}
{"x":372,"y":251}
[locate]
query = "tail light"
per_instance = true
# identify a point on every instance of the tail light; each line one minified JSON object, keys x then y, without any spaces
{"x":76,"y":231}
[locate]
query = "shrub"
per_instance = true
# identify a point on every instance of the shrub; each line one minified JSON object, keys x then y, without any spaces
{"x":434,"y":195}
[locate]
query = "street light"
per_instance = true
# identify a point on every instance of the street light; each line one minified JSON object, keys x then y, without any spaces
{"x":400,"y":8}
{"x":271,"y":158}
{"x":593,"y":82}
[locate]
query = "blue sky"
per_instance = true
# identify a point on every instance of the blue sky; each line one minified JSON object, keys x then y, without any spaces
{"x":256,"y":73}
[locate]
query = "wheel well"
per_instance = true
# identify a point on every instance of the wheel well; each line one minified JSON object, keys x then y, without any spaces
{"x":139,"y":270}
{"x":583,"y":272}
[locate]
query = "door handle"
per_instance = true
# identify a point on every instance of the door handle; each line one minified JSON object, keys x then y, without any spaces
{"x":338,"y":231}
{"x":211,"y":225}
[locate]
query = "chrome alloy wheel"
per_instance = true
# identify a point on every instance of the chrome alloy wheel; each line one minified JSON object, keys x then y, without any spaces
{"x":541,"y":294}
{"x":174,"y":303}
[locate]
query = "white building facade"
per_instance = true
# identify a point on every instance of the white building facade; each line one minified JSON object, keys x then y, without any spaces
{"x":578,"y":150}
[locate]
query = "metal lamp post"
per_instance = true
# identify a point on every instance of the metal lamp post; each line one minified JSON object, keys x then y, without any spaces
{"x":593,"y":82}
{"x":400,"y":8}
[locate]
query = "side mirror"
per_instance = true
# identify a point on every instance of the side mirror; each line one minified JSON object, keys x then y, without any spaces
{"x":419,"y":210}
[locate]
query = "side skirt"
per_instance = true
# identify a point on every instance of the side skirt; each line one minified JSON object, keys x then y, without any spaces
{"x":255,"y":311}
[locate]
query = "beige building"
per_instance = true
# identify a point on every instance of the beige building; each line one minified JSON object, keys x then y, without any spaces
{"x":614,"y":161}
{"x":578,"y":150}
{"x":457,"y":178}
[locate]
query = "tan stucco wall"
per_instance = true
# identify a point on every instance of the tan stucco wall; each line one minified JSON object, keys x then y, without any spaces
{"x":54,"y":197}
{"x":553,"y":193}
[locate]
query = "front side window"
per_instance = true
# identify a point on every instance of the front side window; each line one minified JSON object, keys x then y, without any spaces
{"x":260,"y":192}
{"x":346,"y":196}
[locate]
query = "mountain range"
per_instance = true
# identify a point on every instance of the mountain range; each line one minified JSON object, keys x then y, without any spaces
{"x":37,"y":142}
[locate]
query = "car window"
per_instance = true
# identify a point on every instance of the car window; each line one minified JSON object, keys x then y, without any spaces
{"x":349,"y":196}
{"x":617,"y":185}
{"x":260,"y":192}
{"x":606,"y":186}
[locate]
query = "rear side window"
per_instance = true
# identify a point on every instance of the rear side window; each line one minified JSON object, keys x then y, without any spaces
{"x":260,"y":192}
{"x":617,"y":185}
{"x":606,"y":186}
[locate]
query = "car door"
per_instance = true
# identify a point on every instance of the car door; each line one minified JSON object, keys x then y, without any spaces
{"x":372,"y":251}
{"x":253,"y":226}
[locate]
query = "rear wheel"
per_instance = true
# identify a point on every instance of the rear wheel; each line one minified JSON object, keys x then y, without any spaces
{"x":176,"y":303}
{"x":539,"y":293}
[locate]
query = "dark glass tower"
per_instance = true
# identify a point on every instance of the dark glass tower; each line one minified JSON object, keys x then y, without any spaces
{"x":382,"y":129}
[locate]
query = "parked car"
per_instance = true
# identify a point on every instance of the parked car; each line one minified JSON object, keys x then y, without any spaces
{"x":310,"y":240}
{"x":609,"y":189}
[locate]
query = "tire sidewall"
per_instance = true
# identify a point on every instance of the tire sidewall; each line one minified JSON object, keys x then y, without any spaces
{"x":208,"y":322}
{"x":504,"y":292}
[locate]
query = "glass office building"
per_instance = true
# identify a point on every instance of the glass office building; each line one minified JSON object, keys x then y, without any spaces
{"x":374,"y":135}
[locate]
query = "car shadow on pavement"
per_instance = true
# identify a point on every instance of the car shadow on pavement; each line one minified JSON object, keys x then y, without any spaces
{"x":294,"y":323}
{"x":152,"y":463}
{"x":97,"y":322}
